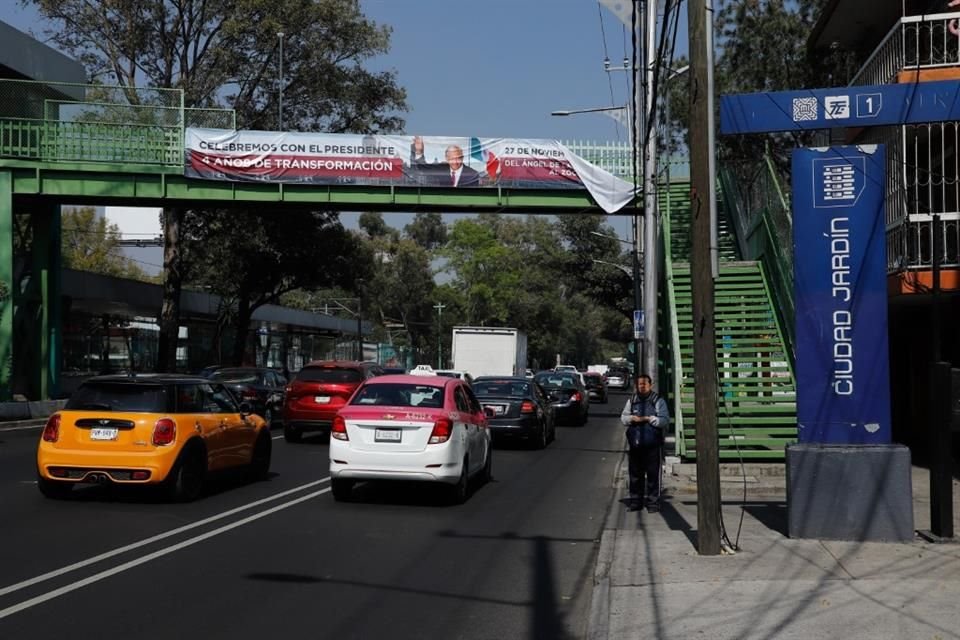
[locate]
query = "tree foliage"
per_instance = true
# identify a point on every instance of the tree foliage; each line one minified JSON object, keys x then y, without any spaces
{"x":763,"y":47}
{"x":90,"y":243}
{"x":276,"y":253}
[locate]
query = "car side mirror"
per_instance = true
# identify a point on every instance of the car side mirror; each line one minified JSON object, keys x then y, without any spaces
{"x":245,"y":408}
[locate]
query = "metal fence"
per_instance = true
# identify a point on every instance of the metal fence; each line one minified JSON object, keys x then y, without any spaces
{"x":64,"y":122}
{"x":914,"y":43}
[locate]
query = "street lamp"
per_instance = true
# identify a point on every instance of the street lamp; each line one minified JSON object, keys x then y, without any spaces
{"x":280,"y":99}
{"x":623,"y":268}
{"x":622,"y":115}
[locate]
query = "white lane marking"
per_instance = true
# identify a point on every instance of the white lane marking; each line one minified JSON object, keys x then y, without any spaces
{"x":276,"y":437}
{"x":50,"y":595}
{"x":160,"y":536}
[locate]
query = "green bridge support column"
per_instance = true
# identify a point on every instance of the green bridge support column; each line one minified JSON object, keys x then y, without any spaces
{"x":46,"y":268}
{"x":6,"y":285}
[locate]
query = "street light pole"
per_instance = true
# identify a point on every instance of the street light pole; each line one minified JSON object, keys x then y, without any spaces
{"x":439,"y":307}
{"x":359,"y":329}
{"x":636,"y":276}
{"x":280,"y":99}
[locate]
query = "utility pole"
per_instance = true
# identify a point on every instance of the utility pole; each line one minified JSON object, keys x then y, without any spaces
{"x":651,"y":227}
{"x":704,"y":330}
{"x":439,"y":307}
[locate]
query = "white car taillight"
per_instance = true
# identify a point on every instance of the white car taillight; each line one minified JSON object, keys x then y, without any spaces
{"x":442,"y":430}
{"x":339,"y":428}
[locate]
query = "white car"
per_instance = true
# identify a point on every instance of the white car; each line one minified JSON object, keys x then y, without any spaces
{"x":404,"y":427}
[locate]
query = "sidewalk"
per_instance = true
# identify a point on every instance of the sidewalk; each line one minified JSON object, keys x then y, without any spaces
{"x":651,"y":583}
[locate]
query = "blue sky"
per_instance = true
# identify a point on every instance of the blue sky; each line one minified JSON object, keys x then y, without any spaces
{"x":495,"y":68}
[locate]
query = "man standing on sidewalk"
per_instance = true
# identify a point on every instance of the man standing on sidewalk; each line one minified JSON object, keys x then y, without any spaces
{"x":645,"y":415}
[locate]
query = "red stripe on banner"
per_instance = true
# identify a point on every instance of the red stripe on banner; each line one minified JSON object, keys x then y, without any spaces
{"x":278,"y":166}
{"x":539,"y":169}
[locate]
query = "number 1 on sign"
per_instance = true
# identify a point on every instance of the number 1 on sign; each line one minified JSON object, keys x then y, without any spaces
{"x":869,"y":104}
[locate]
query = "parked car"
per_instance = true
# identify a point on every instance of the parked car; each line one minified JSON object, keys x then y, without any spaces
{"x":318,"y":391}
{"x":618,"y":379}
{"x":156,"y":429}
{"x":565,"y":367}
{"x":263,"y":388}
{"x":596,"y":386}
{"x":569,"y":398}
{"x":403,"y":427}
{"x":518,"y":408}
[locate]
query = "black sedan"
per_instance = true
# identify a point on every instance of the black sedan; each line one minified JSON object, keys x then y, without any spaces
{"x":263,"y":388}
{"x":570,"y":400}
{"x":516,"y":407}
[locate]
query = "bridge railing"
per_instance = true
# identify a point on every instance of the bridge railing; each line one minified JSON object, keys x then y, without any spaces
{"x":65,"y":122}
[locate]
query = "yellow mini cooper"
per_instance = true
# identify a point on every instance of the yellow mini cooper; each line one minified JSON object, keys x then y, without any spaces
{"x":163,"y":429}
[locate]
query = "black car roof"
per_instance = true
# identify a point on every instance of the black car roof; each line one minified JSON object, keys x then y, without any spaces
{"x":507,"y":378}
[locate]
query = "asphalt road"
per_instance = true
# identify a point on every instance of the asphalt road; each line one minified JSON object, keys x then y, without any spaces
{"x":281,"y":559}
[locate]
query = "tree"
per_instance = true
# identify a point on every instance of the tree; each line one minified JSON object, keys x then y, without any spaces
{"x":371,"y":222}
{"x":749,"y":60}
{"x":274,"y":255}
{"x":427,"y":230}
{"x":225,"y":53}
{"x":89,"y":243}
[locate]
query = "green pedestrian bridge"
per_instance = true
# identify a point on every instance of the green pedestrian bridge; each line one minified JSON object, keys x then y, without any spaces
{"x":67,"y":144}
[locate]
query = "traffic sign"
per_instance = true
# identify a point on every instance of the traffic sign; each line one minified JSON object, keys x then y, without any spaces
{"x":863,"y":106}
{"x":639,"y":327}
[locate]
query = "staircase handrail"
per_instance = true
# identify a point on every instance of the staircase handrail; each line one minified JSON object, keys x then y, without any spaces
{"x":672,"y":329}
{"x":763,"y":234}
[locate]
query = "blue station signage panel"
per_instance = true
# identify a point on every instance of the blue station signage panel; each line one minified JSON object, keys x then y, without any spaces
{"x":866,"y":106}
{"x":842,"y":369}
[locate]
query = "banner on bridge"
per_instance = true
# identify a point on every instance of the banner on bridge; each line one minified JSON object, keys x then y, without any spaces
{"x":451,"y":162}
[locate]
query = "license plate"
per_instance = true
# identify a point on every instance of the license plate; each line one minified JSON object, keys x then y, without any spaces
{"x":321,"y":399}
{"x":103,"y":433}
{"x":387,"y":435}
{"x":497,"y":408}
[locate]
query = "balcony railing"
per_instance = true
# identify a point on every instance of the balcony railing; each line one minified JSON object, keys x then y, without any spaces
{"x":914,"y":43}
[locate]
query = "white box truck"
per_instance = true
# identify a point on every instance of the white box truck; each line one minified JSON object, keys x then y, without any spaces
{"x":489,"y":351}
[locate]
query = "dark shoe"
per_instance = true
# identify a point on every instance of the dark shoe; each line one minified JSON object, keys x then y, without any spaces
{"x":652,"y":508}
{"x":633,"y":506}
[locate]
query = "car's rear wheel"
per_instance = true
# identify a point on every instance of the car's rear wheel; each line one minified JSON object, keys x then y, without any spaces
{"x":260,"y":460}
{"x":459,"y":491}
{"x":487,"y":474}
{"x":541,"y":441}
{"x":291,"y":434}
{"x":341,"y":489}
{"x":54,"y":489}
{"x":185,"y":482}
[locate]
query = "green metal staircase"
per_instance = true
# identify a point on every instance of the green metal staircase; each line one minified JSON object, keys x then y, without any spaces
{"x":756,"y":388}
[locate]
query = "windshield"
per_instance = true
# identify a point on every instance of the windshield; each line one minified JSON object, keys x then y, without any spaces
{"x":555,"y":380}
{"x":399,"y":394}
{"x":329,"y":374}
{"x":113,"y":396}
{"x":508,"y":388}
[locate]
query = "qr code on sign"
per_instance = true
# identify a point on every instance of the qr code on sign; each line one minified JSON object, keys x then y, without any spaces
{"x":804,"y":109}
